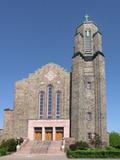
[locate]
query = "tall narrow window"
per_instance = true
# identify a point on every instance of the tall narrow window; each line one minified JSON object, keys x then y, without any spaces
{"x":89,"y":136}
{"x":41,"y":103}
{"x":89,"y":116}
{"x":87,"y":41}
{"x":89,"y":84}
{"x":58,"y":99}
{"x":50,"y":100}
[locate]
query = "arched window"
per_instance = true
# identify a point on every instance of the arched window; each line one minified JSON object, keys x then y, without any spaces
{"x":41,"y":103}
{"x":50,"y":100}
{"x":58,"y":99}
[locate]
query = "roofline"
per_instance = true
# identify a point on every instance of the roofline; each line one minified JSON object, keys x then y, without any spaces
{"x":7,"y":109}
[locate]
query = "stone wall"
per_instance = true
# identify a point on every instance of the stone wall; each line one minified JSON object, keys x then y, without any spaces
{"x":1,"y":135}
{"x":88,"y":107}
{"x":26,"y":102}
{"x":100,"y":98}
{"x":77,"y":107}
{"x":8,"y":124}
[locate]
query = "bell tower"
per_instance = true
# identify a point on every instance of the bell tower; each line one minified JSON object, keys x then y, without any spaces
{"x":88,"y":106}
{"x":88,"y":39}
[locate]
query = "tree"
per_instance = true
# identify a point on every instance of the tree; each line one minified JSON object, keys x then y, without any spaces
{"x":114,"y":139}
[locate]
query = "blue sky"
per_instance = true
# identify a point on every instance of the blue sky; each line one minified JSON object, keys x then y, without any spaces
{"x":36,"y":32}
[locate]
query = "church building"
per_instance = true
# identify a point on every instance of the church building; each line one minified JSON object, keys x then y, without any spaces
{"x":52,"y":104}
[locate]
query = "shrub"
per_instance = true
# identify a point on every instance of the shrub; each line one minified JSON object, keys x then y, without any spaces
{"x":73,"y":147}
{"x":82,"y":145}
{"x":3,"y":151}
{"x":79,"y":145}
{"x":9,"y":144}
{"x":110,"y":148}
{"x":93,"y":154}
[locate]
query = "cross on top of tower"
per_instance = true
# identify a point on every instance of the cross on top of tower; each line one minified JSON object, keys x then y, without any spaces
{"x":86,"y":18}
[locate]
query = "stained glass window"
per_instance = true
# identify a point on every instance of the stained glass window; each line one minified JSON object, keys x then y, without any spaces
{"x":58,"y":99}
{"x":50,"y":100}
{"x":41,"y":103}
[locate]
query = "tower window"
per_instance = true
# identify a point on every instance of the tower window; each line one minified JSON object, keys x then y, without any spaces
{"x":50,"y":100}
{"x":88,"y":85}
{"x":41,"y":103}
{"x":87,"y":41}
{"x":89,"y":116}
{"x":87,"y":33}
{"x":58,"y":99}
{"x":89,"y":136}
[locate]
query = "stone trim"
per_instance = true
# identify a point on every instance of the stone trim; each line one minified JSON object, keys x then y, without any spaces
{"x":96,"y":33}
{"x":8,"y":109}
{"x":88,"y":58}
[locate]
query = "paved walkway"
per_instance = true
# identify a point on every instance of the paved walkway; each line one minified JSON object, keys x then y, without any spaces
{"x":41,"y":157}
{"x":33,"y":157}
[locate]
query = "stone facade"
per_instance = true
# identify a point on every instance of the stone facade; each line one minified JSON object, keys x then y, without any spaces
{"x":81,"y":97}
{"x":1,"y":135}
{"x":26,"y":103}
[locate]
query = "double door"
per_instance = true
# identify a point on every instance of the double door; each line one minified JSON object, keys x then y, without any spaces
{"x":59,"y":133}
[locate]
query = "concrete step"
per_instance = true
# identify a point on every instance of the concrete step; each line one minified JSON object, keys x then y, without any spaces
{"x":26,"y":148}
{"x":42,"y":147}
{"x":55,"y":148}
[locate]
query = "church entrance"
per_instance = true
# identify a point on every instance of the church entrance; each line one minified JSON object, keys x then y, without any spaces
{"x":59,"y":133}
{"x":48,"y":130}
{"x":48,"y":133}
{"x":38,"y":133}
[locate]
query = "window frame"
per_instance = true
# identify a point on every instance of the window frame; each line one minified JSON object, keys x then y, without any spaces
{"x":49,"y":101}
{"x":41,"y":99}
{"x":57,"y":110}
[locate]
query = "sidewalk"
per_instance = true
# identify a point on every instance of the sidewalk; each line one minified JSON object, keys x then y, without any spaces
{"x":33,"y":157}
{"x":42,"y":157}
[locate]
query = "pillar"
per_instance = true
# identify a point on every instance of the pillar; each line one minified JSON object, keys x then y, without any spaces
{"x":43,"y":133}
{"x":53,"y":133}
